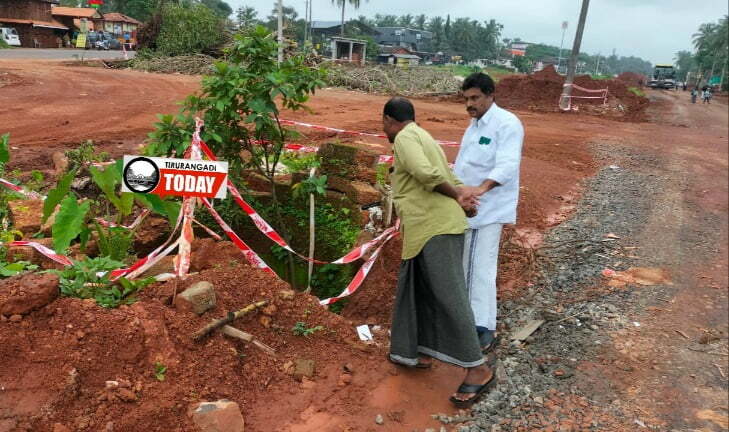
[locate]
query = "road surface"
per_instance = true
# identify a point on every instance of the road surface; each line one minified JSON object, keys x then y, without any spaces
{"x":60,"y":54}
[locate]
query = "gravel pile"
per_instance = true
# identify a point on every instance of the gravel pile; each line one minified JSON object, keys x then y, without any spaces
{"x":541,"y":370}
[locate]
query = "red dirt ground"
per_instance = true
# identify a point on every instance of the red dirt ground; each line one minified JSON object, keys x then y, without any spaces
{"x":51,"y":109}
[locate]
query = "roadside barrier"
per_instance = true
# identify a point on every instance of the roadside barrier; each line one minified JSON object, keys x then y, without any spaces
{"x":183,"y":242}
{"x":603,"y":95}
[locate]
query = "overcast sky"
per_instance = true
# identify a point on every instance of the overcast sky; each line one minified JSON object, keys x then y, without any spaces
{"x":651,"y":29}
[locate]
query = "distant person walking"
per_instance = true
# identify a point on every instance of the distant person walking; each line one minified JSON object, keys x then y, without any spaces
{"x":694,"y":95}
{"x":707,"y":96}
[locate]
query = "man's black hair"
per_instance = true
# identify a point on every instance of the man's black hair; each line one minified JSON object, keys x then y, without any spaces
{"x":481,"y":81}
{"x":400,"y":109}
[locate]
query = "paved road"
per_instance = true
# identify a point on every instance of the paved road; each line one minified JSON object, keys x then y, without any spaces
{"x":59,"y":54}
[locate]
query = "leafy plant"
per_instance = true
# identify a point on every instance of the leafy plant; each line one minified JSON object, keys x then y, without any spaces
{"x":85,"y":154}
{"x":108,"y":180}
{"x":188,"y":28}
{"x":57,"y":194}
{"x":170,"y":137}
{"x":311,"y":185}
{"x":160,"y":370}
{"x":17,"y":267}
{"x":90,"y":279}
{"x":4,"y":150}
{"x":36,"y":182}
{"x":295,"y":162}
{"x":69,"y":222}
{"x":114,"y":242}
{"x":383,"y":174}
{"x":300,"y":329}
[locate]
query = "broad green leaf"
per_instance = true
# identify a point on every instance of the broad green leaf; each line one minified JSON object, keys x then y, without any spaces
{"x":169,"y":209}
{"x":69,"y":223}
{"x":12,"y":269}
{"x":107,"y":181}
{"x":127,"y":202}
{"x":4,"y":148}
{"x":56,"y":194}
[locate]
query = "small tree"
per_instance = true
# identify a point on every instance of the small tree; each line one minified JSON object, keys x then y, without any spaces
{"x":240,"y":104}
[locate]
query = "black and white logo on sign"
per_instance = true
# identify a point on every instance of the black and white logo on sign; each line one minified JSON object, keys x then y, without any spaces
{"x":141,"y":175}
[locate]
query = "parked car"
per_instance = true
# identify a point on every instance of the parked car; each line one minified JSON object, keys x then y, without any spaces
{"x":10,"y":36}
{"x":102,"y":41}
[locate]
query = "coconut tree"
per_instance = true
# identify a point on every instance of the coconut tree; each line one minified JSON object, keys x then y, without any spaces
{"x":343,"y":3}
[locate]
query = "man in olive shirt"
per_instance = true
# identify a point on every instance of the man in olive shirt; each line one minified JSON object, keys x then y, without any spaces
{"x":432,"y":317}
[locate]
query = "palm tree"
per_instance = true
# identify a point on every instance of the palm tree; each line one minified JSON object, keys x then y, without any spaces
{"x":385,"y":20}
{"x":420,"y":21}
{"x":406,"y":20}
{"x":343,"y":3}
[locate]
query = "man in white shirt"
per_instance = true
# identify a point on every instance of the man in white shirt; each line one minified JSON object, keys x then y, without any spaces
{"x":488,"y":161}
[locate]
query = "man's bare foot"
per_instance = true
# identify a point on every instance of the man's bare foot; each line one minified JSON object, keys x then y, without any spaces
{"x":479,"y":376}
{"x":425,"y":361}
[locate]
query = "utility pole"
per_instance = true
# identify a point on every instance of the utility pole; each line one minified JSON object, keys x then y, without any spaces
{"x":306,"y":20}
{"x":597,"y":65}
{"x":564,"y":101}
{"x":559,"y":59}
{"x":280,"y":31}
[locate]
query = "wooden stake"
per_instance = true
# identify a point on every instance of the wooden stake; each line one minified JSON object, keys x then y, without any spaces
{"x":247,"y":337}
{"x":215,"y":324}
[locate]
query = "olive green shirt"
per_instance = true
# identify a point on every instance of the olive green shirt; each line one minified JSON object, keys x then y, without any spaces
{"x":420,"y":165}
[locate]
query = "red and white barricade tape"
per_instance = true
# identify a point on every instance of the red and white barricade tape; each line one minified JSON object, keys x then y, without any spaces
{"x":46,"y":251}
{"x":210,"y":232}
{"x":603,"y":94}
{"x":133,"y":225}
{"x":183,"y":242}
{"x":266,"y":229}
{"x":20,"y":190}
{"x":252,"y":257}
{"x":348,"y":132}
{"x":362,"y":273}
{"x":301,"y":148}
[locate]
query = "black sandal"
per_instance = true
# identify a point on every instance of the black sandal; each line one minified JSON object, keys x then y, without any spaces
{"x":478,"y":390}
{"x":485,"y":349}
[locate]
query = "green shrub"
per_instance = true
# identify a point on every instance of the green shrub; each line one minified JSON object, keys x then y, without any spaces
{"x":636,"y":91}
{"x":89,"y":279}
{"x":3,"y":44}
{"x":188,"y":29}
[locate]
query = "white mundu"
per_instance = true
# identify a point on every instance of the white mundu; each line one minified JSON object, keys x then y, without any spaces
{"x":490,"y":150}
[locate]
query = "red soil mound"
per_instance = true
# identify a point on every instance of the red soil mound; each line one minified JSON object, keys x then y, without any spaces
{"x":633,"y":79}
{"x":57,"y":359}
{"x":541,"y":92}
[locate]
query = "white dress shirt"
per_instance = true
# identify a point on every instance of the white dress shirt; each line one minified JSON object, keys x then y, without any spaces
{"x":491,"y":149}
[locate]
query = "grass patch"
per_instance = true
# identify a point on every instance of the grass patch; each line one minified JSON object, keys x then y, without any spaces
{"x":636,"y":91}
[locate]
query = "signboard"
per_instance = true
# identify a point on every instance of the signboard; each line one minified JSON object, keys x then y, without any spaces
{"x":81,"y":40}
{"x":178,"y":177}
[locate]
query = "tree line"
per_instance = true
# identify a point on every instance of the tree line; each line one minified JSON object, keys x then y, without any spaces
{"x":143,"y":10}
{"x":711,"y":44}
{"x":587,"y":63}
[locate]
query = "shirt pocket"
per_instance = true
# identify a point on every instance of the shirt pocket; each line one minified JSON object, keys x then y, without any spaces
{"x":482,"y":156}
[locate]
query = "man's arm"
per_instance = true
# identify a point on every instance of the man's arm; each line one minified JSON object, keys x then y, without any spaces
{"x":507,"y":160}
